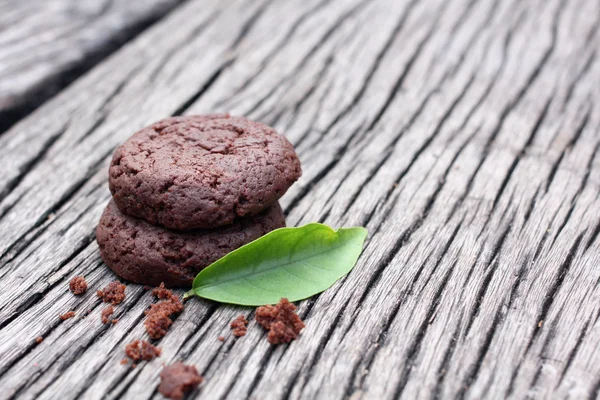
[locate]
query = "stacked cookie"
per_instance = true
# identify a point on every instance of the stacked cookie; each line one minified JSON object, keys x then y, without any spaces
{"x":188,"y":190}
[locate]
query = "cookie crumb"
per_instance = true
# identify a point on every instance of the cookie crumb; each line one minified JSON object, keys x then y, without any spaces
{"x":161,"y":292}
{"x":124,"y":361}
{"x":39,"y":339}
{"x":78,"y":285}
{"x":281,"y":321}
{"x":159,"y":316}
{"x":106,"y":313}
{"x":114,"y":321}
{"x":113,"y":293}
{"x":141,"y":350}
{"x":178,"y":379}
{"x":239,"y":326}
{"x":67,"y":315}
{"x":221,"y":338}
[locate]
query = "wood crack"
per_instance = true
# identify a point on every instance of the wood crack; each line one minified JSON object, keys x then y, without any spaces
{"x":209,"y":82}
{"x":559,"y":279}
{"x":311,"y":53}
{"x":416,"y":343}
{"x":522,"y":152}
{"x":27,"y":167}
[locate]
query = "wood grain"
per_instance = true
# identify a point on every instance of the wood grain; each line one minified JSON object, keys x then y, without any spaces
{"x":462,"y":133}
{"x":46,"y":44}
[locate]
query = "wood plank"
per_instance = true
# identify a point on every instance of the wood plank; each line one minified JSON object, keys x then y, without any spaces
{"x":461,"y":133}
{"x":46,"y":44}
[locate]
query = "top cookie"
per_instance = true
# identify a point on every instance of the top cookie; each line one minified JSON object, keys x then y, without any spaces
{"x":201,"y":171}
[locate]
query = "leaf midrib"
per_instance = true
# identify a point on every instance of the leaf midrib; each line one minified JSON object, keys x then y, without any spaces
{"x":277,"y":266}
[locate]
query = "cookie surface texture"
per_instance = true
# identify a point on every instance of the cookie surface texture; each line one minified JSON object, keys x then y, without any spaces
{"x":200,"y":172}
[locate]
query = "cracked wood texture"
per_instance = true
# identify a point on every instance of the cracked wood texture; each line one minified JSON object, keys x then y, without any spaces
{"x":45,"y":44}
{"x":464,"y":134}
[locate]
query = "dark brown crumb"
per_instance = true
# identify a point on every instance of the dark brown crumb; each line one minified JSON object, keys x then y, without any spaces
{"x":178,"y":379}
{"x":113,"y":293}
{"x":106,"y":313}
{"x":157,"y":325}
{"x":239,"y":326}
{"x":141,"y":350}
{"x":146,"y":287}
{"x":158,"y":317}
{"x":39,"y":339}
{"x":281,"y":321}
{"x":162,"y":292}
{"x":221,"y":338}
{"x":67,"y":315}
{"x":78,"y":285}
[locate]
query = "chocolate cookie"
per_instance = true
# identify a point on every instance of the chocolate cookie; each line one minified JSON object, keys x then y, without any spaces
{"x":143,"y":253}
{"x":195,"y":172}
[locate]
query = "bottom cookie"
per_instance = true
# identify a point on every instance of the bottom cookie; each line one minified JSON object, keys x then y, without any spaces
{"x":143,"y":253}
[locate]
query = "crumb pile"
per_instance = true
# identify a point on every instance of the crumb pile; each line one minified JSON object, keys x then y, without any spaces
{"x":159,"y":316}
{"x":280,"y":320}
{"x":239,"y":326}
{"x":178,"y":379}
{"x":67,"y":315}
{"x":106,"y":313}
{"x":78,"y":285}
{"x":162,"y":293}
{"x":113,"y":293}
{"x":141,"y":350}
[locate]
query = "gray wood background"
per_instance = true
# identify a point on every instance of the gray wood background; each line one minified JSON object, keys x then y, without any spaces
{"x":464,"y":134}
{"x":46,"y":44}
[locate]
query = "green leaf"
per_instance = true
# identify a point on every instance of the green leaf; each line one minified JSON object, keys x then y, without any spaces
{"x":289,"y":262}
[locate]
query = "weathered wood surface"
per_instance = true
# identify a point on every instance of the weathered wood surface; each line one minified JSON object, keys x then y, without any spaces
{"x":463,"y":133}
{"x":45,"y":44}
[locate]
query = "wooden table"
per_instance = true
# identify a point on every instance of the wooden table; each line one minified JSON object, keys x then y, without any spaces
{"x":464,"y":134}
